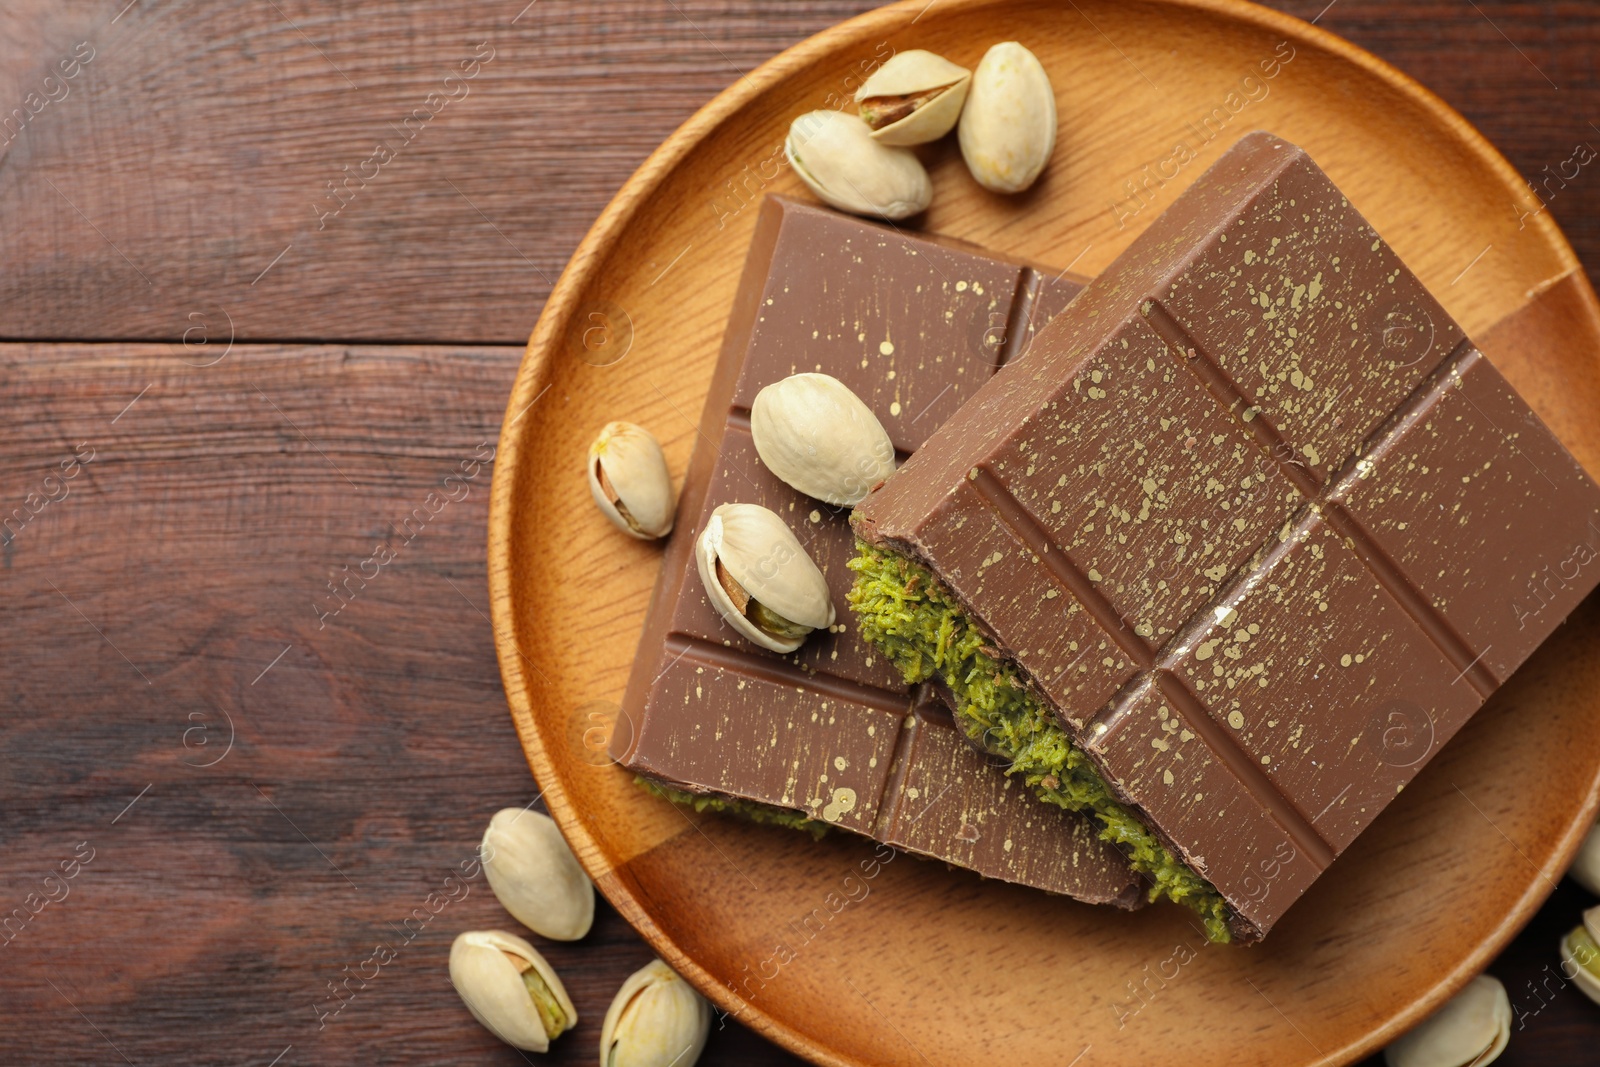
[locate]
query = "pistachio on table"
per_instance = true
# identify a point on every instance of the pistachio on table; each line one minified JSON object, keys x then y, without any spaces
{"x":913,"y":98}
{"x":1008,"y":126}
{"x":655,"y":1020}
{"x":1585,"y":868}
{"x":629,"y":481}
{"x":510,"y":989}
{"x":760,"y":579}
{"x":836,"y":157}
{"x":535,"y":876}
{"x":1580,"y":955}
{"x":815,"y":434}
{"x":1471,"y":1030}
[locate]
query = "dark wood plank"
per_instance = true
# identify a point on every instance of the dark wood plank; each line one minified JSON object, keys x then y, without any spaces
{"x":165,"y":597}
{"x":200,"y":142}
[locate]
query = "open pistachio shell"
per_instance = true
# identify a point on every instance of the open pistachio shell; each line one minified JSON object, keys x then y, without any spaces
{"x":629,"y":481}
{"x":1471,"y":1030}
{"x":759,"y":578}
{"x":510,"y":989}
{"x":913,"y":98}
{"x":1585,"y":868}
{"x":535,"y":876}
{"x":655,"y":1020}
{"x":818,"y":436}
{"x":835,"y":155}
{"x":1008,"y":126}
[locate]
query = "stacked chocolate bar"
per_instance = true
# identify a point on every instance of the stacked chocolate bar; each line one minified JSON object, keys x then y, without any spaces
{"x":1213,"y":571}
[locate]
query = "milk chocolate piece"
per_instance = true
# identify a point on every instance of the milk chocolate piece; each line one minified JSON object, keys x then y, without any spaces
{"x":1256,"y":521}
{"x":913,"y":326}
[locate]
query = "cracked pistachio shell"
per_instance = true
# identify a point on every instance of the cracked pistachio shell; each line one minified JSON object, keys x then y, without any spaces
{"x":772,"y":572}
{"x":655,"y":1020}
{"x":1585,"y":868}
{"x":836,"y":157}
{"x":487,"y":967}
{"x":535,"y":876}
{"x":815,"y":434}
{"x":1471,"y":1030}
{"x":1580,"y":955}
{"x":629,"y":481}
{"x":914,"y":98}
{"x":1008,"y":127}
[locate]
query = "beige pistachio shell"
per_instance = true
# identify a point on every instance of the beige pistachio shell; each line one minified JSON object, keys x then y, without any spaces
{"x":835,"y":155}
{"x":1585,"y":868}
{"x":629,"y":481}
{"x":926,"y":90}
{"x":1008,"y":127}
{"x":1471,"y":1030}
{"x":759,"y":552}
{"x":655,"y":1020}
{"x":1581,"y":963}
{"x":817,"y":435}
{"x":535,"y":876}
{"x":486,"y":967}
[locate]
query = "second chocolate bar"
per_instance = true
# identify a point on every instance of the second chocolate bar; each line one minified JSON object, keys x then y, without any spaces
{"x":833,"y":732}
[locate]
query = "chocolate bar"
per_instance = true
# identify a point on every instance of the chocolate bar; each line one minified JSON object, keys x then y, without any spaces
{"x":1254,"y":523}
{"x":832,"y":732}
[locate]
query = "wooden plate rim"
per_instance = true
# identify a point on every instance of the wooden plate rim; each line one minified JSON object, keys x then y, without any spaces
{"x":552,"y":325}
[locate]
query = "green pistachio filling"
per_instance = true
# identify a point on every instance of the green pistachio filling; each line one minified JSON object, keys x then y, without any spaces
{"x":551,"y":1014}
{"x":745,"y":809}
{"x":1585,"y":953}
{"x":908,"y":615}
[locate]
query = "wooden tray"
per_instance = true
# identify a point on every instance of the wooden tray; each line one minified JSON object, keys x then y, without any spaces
{"x":918,"y":964}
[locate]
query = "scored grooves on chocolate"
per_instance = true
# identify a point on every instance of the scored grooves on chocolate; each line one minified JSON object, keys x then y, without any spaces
{"x":1015,"y":518}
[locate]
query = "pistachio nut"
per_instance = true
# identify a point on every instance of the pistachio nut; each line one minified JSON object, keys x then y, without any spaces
{"x":835,"y":156}
{"x":1580,"y":955}
{"x":510,"y":989}
{"x":815,"y":434}
{"x":1471,"y":1030}
{"x":760,"y":579}
{"x":655,"y":1020}
{"x":629,"y":481}
{"x":913,"y":98}
{"x":535,"y":876}
{"x":1008,"y":127}
{"x":1585,"y":869}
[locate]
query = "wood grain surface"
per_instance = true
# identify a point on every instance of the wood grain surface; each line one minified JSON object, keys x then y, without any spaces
{"x":172,"y":594}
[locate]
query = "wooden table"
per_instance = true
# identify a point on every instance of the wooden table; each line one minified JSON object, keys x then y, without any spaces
{"x":259,"y":342}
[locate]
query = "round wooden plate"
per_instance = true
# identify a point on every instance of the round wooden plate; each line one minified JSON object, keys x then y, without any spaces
{"x":917,"y":964}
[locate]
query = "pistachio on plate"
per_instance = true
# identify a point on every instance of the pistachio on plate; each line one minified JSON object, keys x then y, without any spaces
{"x":510,"y":989}
{"x":1008,"y":127}
{"x":655,"y":1020}
{"x":836,"y":157}
{"x":913,"y":98}
{"x":629,"y":481}
{"x":1580,"y":955}
{"x":817,"y":435}
{"x":535,"y":876}
{"x":1471,"y":1030}
{"x":760,"y":579}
